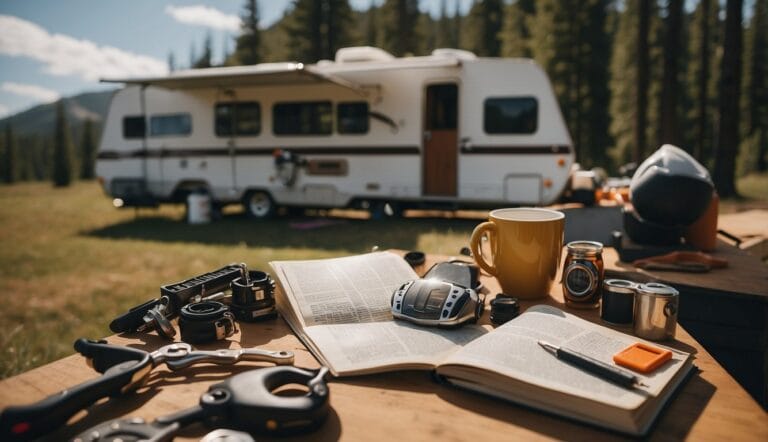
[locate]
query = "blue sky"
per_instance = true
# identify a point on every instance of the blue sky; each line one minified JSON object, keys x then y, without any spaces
{"x":52,"y":48}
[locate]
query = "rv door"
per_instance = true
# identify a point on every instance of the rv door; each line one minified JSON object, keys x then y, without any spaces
{"x":440,"y":141}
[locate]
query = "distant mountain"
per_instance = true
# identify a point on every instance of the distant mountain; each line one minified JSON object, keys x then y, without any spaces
{"x":40,"y":120}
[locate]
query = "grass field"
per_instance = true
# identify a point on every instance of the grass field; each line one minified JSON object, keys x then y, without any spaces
{"x":70,"y":262}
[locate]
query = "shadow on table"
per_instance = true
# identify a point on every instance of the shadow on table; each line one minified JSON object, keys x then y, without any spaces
{"x":676,"y":419}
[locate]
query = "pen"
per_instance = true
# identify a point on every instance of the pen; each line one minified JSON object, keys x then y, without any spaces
{"x":592,"y":365}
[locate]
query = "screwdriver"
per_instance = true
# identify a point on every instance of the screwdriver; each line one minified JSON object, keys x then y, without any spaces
{"x":592,"y":365}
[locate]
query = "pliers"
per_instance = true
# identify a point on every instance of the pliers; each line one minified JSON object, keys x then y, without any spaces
{"x":124,"y":369}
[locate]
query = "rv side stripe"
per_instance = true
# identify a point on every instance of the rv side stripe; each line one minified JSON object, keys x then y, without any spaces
{"x":519,"y":150}
{"x":169,"y":153}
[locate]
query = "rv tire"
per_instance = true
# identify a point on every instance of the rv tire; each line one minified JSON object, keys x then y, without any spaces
{"x":259,"y":204}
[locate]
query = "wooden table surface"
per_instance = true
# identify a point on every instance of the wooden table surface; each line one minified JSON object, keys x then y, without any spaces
{"x":404,"y":405}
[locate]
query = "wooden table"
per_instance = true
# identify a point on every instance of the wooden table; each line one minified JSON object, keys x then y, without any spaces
{"x":726,"y":310}
{"x":405,"y":405}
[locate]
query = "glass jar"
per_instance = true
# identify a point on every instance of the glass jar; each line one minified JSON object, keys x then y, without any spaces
{"x":583,"y":274}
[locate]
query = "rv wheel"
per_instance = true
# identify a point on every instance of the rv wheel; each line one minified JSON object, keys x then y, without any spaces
{"x":259,"y":205}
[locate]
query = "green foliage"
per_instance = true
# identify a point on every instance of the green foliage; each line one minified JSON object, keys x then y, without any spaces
{"x":9,"y":156}
{"x":248,"y":48}
{"x":730,"y":88}
{"x":317,"y":29}
{"x":62,"y":149}
{"x":399,"y":19}
{"x":701,"y":80}
{"x":515,"y":33}
{"x":206,"y":58}
{"x":755,"y":91}
{"x":484,"y":28}
{"x":623,"y":84}
{"x":87,"y":152}
{"x":571,"y":42}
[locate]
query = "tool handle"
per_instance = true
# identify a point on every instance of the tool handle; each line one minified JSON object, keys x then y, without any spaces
{"x":598,"y":368}
{"x":103,"y":356}
{"x":25,"y":422}
{"x":133,"y":318}
{"x":226,"y":357}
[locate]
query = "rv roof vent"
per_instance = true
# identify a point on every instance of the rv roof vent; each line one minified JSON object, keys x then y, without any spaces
{"x":362,"y":53}
{"x":454,"y":53}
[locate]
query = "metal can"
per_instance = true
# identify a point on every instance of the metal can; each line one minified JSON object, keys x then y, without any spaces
{"x":656,"y":307}
{"x":618,"y":301}
{"x":583,"y":274}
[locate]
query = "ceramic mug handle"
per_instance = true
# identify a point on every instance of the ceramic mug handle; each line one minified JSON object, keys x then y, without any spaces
{"x":476,"y":246}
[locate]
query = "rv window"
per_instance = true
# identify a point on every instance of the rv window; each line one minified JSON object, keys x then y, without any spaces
{"x":238,"y":119}
{"x":513,"y":115}
{"x":172,"y":124}
{"x":309,"y":118}
{"x":442,"y":101}
{"x":134,"y":127}
{"x":352,"y":118}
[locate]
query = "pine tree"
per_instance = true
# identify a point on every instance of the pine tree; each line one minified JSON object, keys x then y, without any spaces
{"x":730,"y":84}
{"x":10,"y":158}
{"x":317,"y":29}
{"x":206,"y":58}
{"x":570,"y":42}
{"x":702,"y":77}
{"x":484,"y":23}
{"x":443,"y":28}
{"x":62,"y":149}
{"x":642,"y":77}
{"x":87,"y":152}
{"x":456,"y":28}
{"x":248,"y":47}
{"x":399,"y":20}
{"x":515,"y":35}
{"x":371,"y":25}
{"x":171,"y":62}
{"x":337,"y":17}
{"x":755,"y":92}
{"x":673,"y":51}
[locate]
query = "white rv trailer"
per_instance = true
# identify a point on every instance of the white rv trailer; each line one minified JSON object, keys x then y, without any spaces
{"x":447,"y":130}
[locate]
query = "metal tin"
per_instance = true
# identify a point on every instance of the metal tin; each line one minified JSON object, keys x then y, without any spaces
{"x":656,"y":307}
{"x":583,"y":274}
{"x":618,"y":301}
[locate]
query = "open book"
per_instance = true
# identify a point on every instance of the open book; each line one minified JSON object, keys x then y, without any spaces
{"x":340,"y":309}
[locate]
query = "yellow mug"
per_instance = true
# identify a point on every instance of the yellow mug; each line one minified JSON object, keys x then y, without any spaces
{"x":526,"y":245}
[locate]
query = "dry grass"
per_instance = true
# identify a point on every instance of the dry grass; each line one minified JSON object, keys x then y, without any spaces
{"x":70,"y":262}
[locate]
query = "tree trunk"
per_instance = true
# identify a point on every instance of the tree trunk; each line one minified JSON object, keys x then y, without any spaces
{"x":703,"y":80}
{"x":641,"y":93}
{"x":669,"y":123}
{"x":730,"y":88}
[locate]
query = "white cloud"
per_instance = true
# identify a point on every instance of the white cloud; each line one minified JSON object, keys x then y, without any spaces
{"x":4,"y":110}
{"x":65,"y":55}
{"x":204,"y":16}
{"x":39,"y":93}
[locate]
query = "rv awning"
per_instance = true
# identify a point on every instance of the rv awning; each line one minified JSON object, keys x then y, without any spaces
{"x":227,"y":77}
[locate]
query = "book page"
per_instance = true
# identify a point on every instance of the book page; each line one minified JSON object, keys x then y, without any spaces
{"x":512,"y":350}
{"x":349,"y":290}
{"x":349,"y":348}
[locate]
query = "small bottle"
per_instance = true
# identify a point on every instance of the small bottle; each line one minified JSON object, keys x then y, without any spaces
{"x":583,"y":274}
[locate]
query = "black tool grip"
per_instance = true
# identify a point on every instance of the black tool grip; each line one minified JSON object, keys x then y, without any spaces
{"x":25,"y":422}
{"x":133,"y":318}
{"x":599,"y":368}
{"x":104,"y":356}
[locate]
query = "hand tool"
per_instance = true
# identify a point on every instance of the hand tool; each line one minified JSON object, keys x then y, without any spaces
{"x":124,"y":369}
{"x":244,"y":402}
